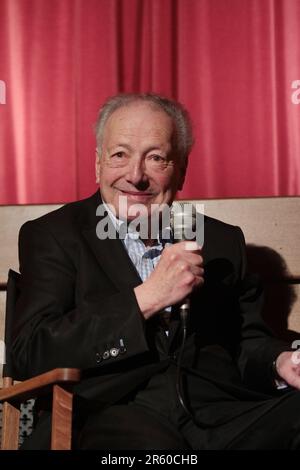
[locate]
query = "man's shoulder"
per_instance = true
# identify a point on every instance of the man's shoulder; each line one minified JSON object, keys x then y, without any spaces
{"x":74,"y":214}
{"x":221,"y":234}
{"x":219,"y":226}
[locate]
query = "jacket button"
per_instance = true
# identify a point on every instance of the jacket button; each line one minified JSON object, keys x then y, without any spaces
{"x":105,"y":355}
{"x":114,"y":352}
{"x":98,"y":358}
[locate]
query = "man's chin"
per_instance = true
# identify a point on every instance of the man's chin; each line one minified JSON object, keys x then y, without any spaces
{"x":129,"y":208}
{"x":133,"y":213}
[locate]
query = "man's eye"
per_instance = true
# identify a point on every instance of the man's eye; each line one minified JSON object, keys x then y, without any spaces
{"x":158,"y":158}
{"x":118,"y":155}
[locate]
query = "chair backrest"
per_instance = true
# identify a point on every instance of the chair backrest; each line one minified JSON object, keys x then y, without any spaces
{"x":11,"y":298}
{"x":11,"y":219}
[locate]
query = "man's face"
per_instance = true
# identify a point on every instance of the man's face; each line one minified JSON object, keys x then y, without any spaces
{"x":138,"y":160}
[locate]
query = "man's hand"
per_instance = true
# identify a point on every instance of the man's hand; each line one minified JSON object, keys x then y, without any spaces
{"x":288,"y":367}
{"x":178,"y":272}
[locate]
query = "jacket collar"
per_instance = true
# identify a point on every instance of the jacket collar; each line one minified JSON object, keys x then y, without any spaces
{"x":110,"y":253}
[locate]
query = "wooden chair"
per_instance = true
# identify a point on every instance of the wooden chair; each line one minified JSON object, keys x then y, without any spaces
{"x":57,"y":381}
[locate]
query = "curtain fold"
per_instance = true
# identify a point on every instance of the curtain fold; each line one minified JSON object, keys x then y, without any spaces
{"x":232,"y":63}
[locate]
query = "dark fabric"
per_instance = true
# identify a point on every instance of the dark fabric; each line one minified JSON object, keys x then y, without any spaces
{"x":77,"y":302}
{"x":129,"y":427}
{"x":272,"y":424}
{"x":40,"y":439}
{"x":11,"y":298}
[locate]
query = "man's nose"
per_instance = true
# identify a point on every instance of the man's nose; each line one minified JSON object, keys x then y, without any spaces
{"x":136,"y":172}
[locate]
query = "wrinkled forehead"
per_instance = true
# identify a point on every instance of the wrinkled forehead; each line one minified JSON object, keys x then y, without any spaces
{"x":140,"y":114}
{"x":140,"y":118}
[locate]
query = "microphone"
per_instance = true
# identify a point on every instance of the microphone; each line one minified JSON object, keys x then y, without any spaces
{"x":183,"y":224}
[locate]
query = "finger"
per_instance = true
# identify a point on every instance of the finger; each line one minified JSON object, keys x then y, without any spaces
{"x":193,"y":258}
{"x":198,"y":281}
{"x":197,"y":271}
{"x":186,"y":246}
{"x":294,"y":381}
{"x":192,"y":246}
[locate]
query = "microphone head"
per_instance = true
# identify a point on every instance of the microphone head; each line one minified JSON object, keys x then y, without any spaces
{"x":183,"y":221}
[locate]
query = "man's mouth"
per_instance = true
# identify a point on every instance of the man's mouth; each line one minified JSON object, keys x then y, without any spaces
{"x":136,"y":194}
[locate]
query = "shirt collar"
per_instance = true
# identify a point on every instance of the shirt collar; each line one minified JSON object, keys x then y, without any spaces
{"x":116,"y":222}
{"x":162,"y":238}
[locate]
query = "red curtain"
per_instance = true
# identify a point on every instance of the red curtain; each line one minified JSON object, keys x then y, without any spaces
{"x":233,"y":63}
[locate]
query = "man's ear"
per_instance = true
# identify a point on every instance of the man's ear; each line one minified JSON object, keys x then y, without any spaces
{"x":97,"y":167}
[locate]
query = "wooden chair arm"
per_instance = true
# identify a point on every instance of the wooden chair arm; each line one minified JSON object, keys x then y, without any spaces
{"x":32,"y":388}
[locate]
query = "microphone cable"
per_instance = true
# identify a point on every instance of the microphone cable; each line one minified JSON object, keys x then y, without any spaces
{"x":184,"y":309}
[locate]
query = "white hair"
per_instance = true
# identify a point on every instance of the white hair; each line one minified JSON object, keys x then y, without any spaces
{"x":183,"y":126}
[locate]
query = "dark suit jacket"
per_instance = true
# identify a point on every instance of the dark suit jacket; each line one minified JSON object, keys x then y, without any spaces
{"x":77,"y":308}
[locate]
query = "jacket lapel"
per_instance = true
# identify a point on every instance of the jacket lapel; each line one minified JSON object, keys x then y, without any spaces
{"x":114,"y":260}
{"x":110,"y":253}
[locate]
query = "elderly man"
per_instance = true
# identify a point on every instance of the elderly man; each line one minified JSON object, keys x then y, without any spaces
{"x":96,"y":302}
